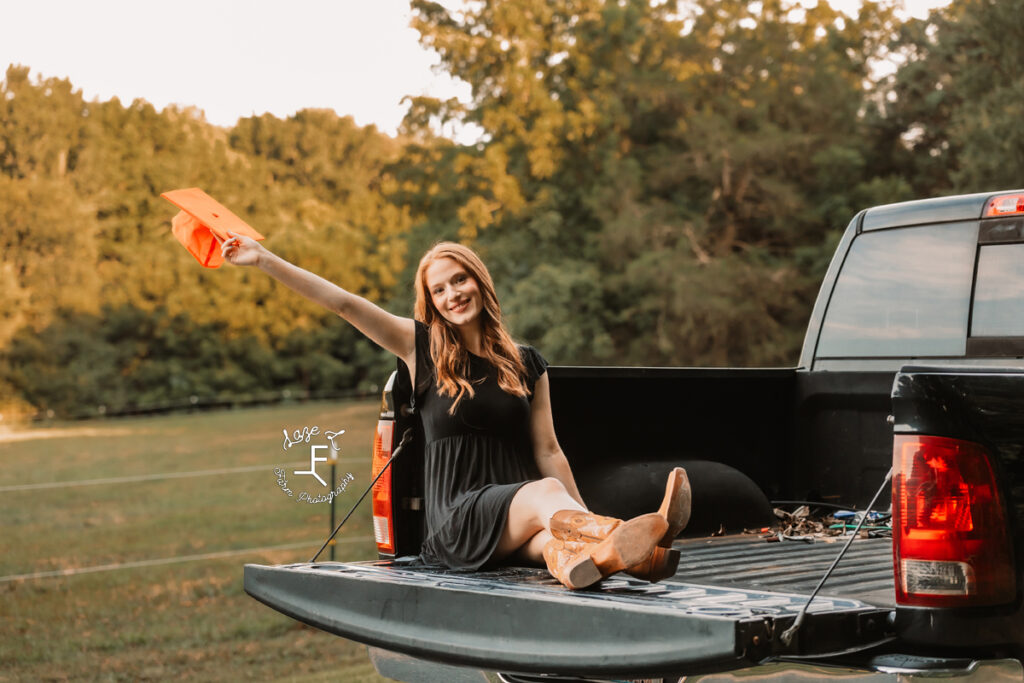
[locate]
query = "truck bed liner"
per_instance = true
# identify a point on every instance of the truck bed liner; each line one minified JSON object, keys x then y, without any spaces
{"x":745,"y":561}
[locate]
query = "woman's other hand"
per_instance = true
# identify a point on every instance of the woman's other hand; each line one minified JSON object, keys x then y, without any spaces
{"x":241,"y":250}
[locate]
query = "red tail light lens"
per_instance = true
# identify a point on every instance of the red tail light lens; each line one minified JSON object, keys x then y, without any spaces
{"x":1006,"y":205}
{"x":383,"y":511}
{"x":952,"y":545}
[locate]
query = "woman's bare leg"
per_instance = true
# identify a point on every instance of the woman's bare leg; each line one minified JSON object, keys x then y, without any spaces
{"x":526,"y":528}
{"x":532,"y":552}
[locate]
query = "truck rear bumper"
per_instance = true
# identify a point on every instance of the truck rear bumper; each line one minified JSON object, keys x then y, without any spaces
{"x":886,"y":669}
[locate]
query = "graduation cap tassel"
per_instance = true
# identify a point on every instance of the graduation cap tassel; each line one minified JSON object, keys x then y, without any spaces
{"x":406,"y":437}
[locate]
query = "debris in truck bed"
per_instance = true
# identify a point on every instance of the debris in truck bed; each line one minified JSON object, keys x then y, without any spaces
{"x":802,"y":525}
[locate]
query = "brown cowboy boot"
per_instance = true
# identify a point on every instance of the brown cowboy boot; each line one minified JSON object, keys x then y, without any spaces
{"x":675,"y":508}
{"x":578,"y":525}
{"x":586,"y":527}
{"x":579,"y":564}
{"x":574,"y":525}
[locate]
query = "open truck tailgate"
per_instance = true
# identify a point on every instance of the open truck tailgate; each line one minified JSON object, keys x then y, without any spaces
{"x":521,"y":620}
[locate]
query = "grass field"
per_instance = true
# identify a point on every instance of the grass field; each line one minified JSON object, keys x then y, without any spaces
{"x":184,"y":620}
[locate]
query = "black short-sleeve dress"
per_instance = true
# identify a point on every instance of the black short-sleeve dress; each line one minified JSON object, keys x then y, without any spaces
{"x":475,"y":460}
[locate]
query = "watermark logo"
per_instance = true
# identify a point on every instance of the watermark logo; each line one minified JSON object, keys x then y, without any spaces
{"x":307,"y":436}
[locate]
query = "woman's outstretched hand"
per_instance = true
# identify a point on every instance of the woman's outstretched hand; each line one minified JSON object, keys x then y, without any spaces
{"x":241,"y":250}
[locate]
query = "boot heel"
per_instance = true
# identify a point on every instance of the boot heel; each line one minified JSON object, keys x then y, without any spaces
{"x":660,"y":566}
{"x":570,"y":563}
{"x":581,"y":574}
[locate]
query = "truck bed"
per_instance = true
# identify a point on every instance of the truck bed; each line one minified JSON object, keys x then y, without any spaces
{"x":750,"y":562}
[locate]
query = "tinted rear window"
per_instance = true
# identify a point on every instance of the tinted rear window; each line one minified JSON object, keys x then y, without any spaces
{"x":903,"y":293}
{"x":999,"y":292}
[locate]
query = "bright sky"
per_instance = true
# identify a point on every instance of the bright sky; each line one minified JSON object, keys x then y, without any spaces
{"x":234,"y":58}
{"x":230,"y":58}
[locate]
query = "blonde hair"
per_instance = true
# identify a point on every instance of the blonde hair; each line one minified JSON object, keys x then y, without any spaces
{"x":451,"y":358}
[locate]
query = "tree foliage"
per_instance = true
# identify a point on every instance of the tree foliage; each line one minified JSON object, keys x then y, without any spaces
{"x":954,"y":107}
{"x":657,"y":168}
{"x":655,"y":183}
{"x":86,"y":245}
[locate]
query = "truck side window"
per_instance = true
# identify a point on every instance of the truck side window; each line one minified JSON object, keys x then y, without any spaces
{"x":999,"y":292}
{"x":903,"y":293}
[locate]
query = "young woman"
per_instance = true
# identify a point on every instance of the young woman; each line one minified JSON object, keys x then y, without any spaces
{"x":497,"y":483}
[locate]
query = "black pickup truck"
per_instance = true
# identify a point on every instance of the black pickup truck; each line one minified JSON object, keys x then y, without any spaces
{"x":913,"y":360}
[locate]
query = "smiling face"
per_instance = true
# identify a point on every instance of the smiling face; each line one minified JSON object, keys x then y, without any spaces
{"x":454,"y":292}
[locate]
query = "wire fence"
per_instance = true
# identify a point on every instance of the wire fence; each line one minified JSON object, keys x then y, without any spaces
{"x":73,"y":571}
{"x":158,"y":477}
{"x":192,"y":404}
{"x":200,"y":403}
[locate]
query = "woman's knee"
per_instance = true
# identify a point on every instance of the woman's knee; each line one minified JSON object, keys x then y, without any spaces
{"x":535,"y":493}
{"x":549,"y":486}
{"x":534,"y":501}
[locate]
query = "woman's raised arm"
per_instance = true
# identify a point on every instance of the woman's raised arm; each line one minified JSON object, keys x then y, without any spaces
{"x":394,"y":333}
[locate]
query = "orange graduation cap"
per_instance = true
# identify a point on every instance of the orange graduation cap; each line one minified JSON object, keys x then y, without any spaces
{"x":203,"y":223}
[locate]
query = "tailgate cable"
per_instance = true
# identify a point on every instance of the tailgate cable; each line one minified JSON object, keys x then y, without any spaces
{"x":787,"y":635}
{"x":406,"y":437}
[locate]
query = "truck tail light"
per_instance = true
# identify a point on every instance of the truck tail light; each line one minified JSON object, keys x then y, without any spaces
{"x":1005,"y":205}
{"x":952,"y":545}
{"x":383,"y":510}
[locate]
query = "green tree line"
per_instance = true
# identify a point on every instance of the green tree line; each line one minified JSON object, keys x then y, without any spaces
{"x":656,"y":183}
